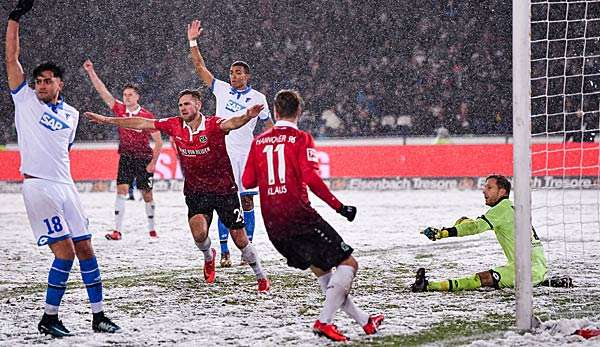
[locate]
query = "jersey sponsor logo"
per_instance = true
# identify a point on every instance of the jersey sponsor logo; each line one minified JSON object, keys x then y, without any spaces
{"x":311,"y":155}
{"x":194,"y":152}
{"x":233,"y":106}
{"x":52,"y":123}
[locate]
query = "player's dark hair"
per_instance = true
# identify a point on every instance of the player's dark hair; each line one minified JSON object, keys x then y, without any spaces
{"x":193,"y":92}
{"x":501,"y":182}
{"x":242,"y":64}
{"x":57,"y":71}
{"x":133,"y":86}
{"x":287,"y":103}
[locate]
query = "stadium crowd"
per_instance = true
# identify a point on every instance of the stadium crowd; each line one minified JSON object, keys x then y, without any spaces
{"x":363,"y":68}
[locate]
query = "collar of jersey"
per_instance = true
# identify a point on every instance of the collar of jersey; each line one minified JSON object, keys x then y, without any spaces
{"x":499,"y":201}
{"x":246,"y":90}
{"x":58,"y":105}
{"x":134,"y":113}
{"x":285,"y":123}
{"x":201,"y":127}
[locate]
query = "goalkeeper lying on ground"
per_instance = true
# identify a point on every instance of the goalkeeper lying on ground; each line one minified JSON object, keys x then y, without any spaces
{"x":500,"y":219}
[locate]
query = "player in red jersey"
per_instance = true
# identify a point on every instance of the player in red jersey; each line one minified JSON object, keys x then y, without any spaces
{"x":208,"y":178}
{"x":137,"y":159}
{"x":282,"y":162}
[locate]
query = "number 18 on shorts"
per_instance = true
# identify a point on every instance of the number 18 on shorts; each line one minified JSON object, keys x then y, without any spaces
{"x":54,"y":211}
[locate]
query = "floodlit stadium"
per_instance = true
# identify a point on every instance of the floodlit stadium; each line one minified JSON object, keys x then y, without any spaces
{"x":412,"y":105}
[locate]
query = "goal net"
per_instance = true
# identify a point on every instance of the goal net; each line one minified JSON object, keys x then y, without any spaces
{"x":564,"y":177}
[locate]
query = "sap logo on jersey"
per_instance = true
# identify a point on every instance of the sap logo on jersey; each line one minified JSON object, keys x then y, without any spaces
{"x":233,"y":106}
{"x":52,"y":123}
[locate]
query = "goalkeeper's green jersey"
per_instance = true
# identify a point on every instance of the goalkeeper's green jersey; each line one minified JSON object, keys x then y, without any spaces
{"x":501,"y":219}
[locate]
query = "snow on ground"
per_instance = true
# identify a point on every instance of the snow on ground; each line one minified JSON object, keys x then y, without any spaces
{"x":155,"y":291}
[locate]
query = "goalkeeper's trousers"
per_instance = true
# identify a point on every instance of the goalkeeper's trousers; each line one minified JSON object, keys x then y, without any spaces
{"x":454,"y":285}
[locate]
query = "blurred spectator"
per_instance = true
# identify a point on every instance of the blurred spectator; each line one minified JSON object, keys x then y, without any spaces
{"x":332,"y":122}
{"x":442,"y":136}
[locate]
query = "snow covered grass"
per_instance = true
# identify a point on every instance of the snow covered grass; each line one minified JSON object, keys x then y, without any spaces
{"x":155,"y":291}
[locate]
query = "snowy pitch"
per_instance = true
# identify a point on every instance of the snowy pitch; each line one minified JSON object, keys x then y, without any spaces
{"x":154,"y":288}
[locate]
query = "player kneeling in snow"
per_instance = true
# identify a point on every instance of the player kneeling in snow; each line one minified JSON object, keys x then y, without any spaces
{"x":500,"y":219}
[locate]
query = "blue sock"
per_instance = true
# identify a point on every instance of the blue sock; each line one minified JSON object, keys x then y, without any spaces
{"x":90,"y":273}
{"x":223,"y":236}
{"x":57,"y":284}
{"x":249,"y":221}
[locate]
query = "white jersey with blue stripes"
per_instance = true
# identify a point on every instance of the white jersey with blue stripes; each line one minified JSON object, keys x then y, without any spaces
{"x":232,"y":102}
{"x":45,"y":132}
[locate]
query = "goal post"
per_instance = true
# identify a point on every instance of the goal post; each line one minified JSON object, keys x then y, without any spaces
{"x":521,"y":76}
{"x":556,"y":154}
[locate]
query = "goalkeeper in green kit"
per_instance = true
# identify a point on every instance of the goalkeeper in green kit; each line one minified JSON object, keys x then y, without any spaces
{"x":500,"y":219}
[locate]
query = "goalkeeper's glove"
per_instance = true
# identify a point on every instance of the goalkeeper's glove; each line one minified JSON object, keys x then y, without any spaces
{"x":435,"y":234}
{"x":347,"y":211}
{"x":23,"y":6}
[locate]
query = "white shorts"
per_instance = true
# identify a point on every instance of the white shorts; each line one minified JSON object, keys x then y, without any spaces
{"x":238,"y":163}
{"x":54,"y":211}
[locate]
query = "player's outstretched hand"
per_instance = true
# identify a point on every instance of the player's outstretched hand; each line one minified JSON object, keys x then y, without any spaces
{"x":96,"y":118}
{"x":23,"y":6}
{"x":254,"y":111}
{"x":347,"y":211}
{"x":433,"y":233}
{"x":194,"y":30}
{"x":88,"y":65}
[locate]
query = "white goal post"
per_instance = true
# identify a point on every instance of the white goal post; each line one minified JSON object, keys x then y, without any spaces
{"x":556,"y":96}
{"x":521,"y":76}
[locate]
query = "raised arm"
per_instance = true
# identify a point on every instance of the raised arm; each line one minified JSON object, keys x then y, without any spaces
{"x":106,"y":96}
{"x":123,"y":122}
{"x":193,"y":32}
{"x":14,"y":70}
{"x":239,"y":121}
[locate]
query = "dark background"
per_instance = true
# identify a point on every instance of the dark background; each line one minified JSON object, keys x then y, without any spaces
{"x":381,"y":67}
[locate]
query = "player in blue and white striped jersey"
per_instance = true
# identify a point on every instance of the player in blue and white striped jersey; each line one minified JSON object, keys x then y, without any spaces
{"x":46,"y":128}
{"x":233,"y":99}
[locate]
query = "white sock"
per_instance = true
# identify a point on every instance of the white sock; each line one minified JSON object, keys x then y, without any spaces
{"x":51,"y":309}
{"x":337,"y":290}
{"x":120,"y":211}
{"x":204,"y":246}
{"x":251,"y":257}
{"x":360,"y":316}
{"x":324,"y":281}
{"x":97,"y":307}
{"x":150,"y":213}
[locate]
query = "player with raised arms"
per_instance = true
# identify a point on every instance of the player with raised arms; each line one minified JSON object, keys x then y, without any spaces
{"x":137,"y":160}
{"x":46,"y":127}
{"x":208,"y":179}
{"x":233,"y":99}
{"x":282,"y":162}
